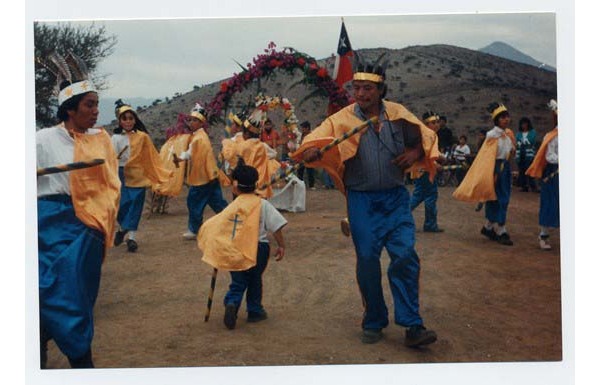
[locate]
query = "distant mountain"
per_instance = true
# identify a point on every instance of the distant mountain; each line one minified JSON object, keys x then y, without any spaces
{"x":107,"y":107}
{"x":508,"y":52}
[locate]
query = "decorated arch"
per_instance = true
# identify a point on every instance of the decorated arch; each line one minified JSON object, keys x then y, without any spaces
{"x":265,"y":64}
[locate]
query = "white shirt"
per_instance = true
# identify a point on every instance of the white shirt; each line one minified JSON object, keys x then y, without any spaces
{"x":271,"y":220}
{"x":54,"y":146}
{"x":119,"y":141}
{"x":505,"y":145}
{"x":552,"y":151}
{"x":461,"y":151}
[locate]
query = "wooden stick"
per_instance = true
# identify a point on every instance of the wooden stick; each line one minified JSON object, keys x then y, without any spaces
{"x":122,"y":152}
{"x":213,"y":281}
{"x":69,"y":167}
{"x":325,"y":148}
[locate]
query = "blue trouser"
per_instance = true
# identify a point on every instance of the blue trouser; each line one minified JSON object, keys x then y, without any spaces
{"x":197,"y":199}
{"x":69,"y":263}
{"x":495,"y":211}
{"x":250,"y":280}
{"x":426,"y":191}
{"x":131,"y":204}
{"x":381,"y":219}
{"x":549,"y":199}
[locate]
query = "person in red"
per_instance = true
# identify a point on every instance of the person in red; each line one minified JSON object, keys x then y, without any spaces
{"x":269,"y":135}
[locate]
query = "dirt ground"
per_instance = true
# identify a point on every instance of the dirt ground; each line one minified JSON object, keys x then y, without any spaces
{"x":486,"y":301}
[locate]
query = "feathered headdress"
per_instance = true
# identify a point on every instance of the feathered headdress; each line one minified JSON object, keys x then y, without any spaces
{"x":374,"y":72}
{"x":72,"y":69}
{"x":553,"y":106}
{"x":198,"y":112}
{"x":255,"y":120}
{"x":430,"y":116}
{"x":121,"y":107}
{"x":496,"y":109}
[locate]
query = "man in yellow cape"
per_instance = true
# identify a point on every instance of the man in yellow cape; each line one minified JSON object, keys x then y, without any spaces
{"x":236,"y":240}
{"x":489,"y":178}
{"x":202,"y":174}
{"x":545,"y":166}
{"x":369,"y":169}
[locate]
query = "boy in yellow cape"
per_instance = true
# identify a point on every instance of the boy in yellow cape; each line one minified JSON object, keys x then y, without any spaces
{"x":202,"y":173}
{"x":236,"y":240}
{"x":76,"y":212}
{"x":139,"y":167}
{"x":228,"y":155}
{"x":489,"y":178}
{"x":545,"y":166}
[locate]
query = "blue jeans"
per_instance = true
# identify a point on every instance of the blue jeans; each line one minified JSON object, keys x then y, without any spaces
{"x":426,"y":191}
{"x":131,"y":204}
{"x":381,"y":219}
{"x":495,"y":211}
{"x":197,"y":199}
{"x":251,"y":281}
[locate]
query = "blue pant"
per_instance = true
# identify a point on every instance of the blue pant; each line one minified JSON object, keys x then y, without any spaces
{"x":549,"y":199}
{"x":495,"y":211}
{"x":197,"y":199}
{"x":250,"y":280}
{"x":131,"y":204}
{"x":69,"y":262}
{"x":426,"y":191}
{"x":381,"y":219}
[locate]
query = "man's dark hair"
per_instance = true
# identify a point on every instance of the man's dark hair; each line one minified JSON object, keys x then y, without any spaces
{"x":246,"y":176}
{"x":305,"y":124}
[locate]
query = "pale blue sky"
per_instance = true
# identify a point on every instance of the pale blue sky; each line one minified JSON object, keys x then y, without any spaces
{"x":157,"y":58}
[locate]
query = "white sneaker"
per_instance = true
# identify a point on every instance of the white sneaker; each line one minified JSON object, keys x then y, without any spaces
{"x":189,"y":235}
{"x":543,"y":244}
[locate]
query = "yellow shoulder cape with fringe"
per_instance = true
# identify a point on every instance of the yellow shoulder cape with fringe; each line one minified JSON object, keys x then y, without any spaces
{"x":539,"y":162}
{"x":173,"y":146}
{"x":96,"y":191}
{"x":144,"y":167}
{"x":202,"y":168}
{"x":229,"y":239}
{"x":345,"y":120}
{"x":478,"y":184}
{"x":254,"y":154}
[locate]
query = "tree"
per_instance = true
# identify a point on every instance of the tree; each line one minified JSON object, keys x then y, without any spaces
{"x":90,"y":43}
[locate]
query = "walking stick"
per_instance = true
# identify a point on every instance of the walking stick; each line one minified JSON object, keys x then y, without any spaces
{"x":552,"y":175}
{"x":322,"y":150}
{"x":122,"y":152}
{"x":213,"y":281}
{"x":69,"y":167}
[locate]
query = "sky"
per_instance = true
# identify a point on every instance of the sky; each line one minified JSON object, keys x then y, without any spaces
{"x":157,"y":58}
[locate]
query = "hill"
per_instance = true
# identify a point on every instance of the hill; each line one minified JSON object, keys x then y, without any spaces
{"x":456,"y":82}
{"x":508,"y":52}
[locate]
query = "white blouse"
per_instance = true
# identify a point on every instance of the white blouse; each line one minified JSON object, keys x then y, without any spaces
{"x":505,"y":145}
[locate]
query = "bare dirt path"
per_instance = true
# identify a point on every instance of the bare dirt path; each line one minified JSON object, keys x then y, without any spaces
{"x":487,"y":302}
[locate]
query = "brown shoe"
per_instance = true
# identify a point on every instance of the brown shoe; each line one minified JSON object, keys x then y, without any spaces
{"x":417,"y":336}
{"x":345,"y":226}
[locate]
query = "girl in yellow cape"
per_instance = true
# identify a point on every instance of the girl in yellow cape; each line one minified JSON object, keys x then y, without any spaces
{"x":202,"y":173}
{"x":545,"y":166}
{"x":76,"y":213}
{"x":139,"y":167}
{"x":489,"y":178}
{"x":236,"y":240}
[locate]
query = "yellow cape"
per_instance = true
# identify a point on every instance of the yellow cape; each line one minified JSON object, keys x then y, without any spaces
{"x":539,"y":162}
{"x":478,"y":184}
{"x":345,"y":120}
{"x":174,"y":146}
{"x":144,"y":167}
{"x":254,"y":154}
{"x":229,"y":240}
{"x":202,"y":168}
{"x":96,"y":191}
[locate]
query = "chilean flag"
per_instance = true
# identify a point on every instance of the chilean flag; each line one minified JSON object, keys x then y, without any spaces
{"x":342,"y":72}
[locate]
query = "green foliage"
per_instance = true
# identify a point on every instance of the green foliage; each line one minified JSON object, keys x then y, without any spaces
{"x":91,"y":44}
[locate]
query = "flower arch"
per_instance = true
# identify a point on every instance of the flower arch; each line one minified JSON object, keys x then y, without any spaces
{"x":263,"y":65}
